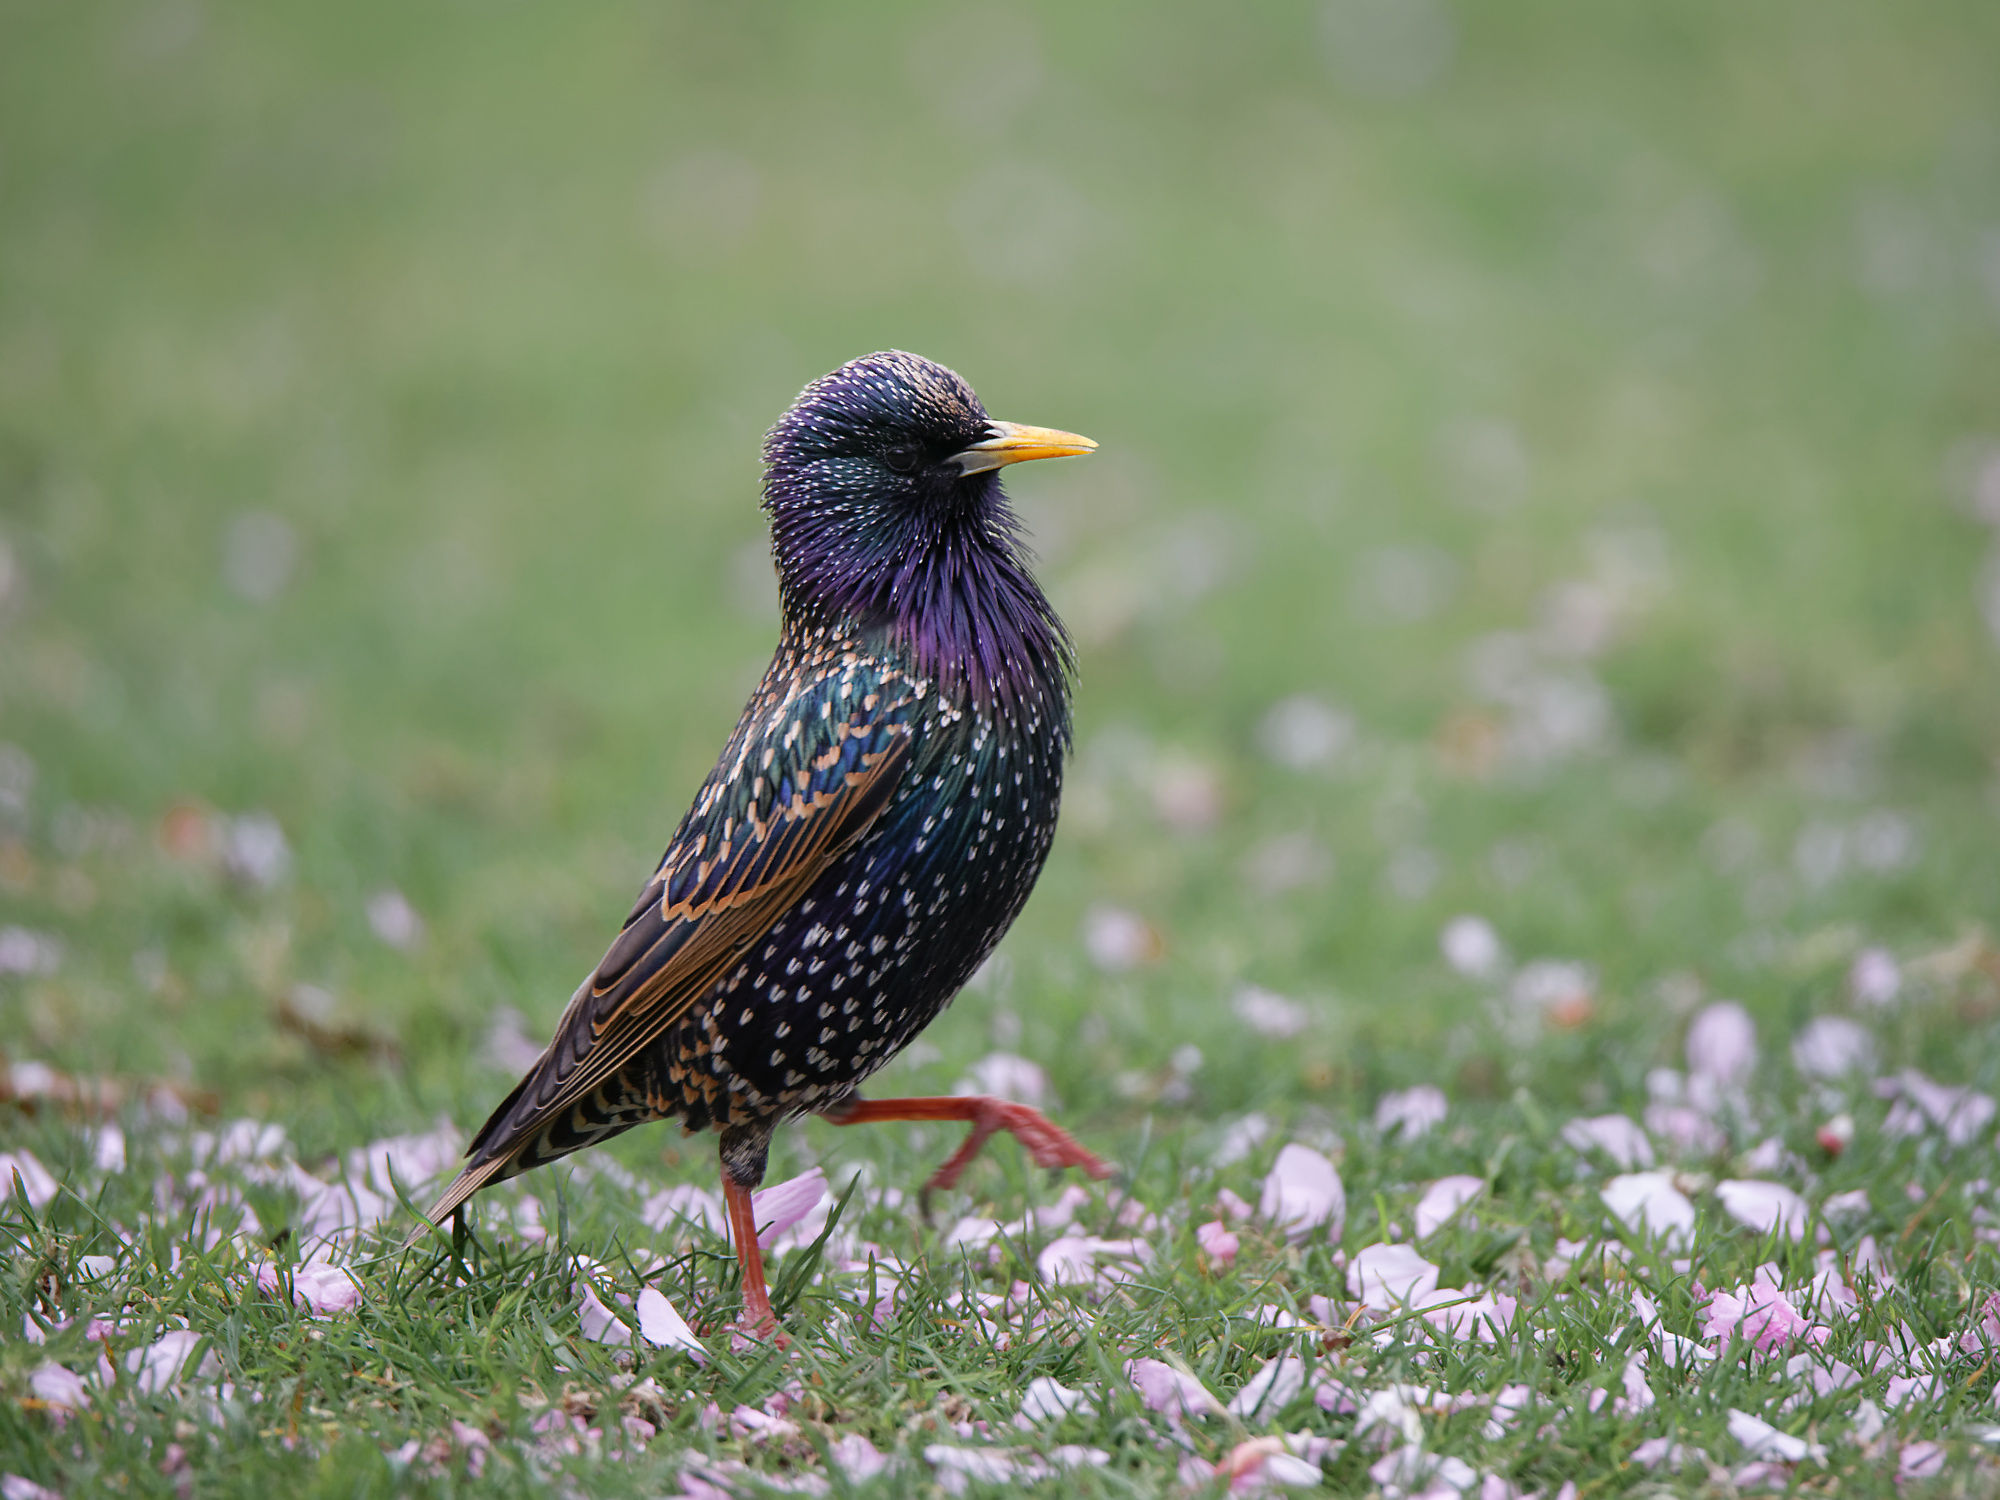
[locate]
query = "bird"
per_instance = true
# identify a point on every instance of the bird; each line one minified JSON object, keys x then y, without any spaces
{"x":871,"y":829}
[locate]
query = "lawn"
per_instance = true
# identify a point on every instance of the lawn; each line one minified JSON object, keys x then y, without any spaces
{"x":1521,"y":919}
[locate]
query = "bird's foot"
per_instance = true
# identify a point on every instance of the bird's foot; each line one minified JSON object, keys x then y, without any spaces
{"x":749,"y":1334}
{"x":1046,"y":1142}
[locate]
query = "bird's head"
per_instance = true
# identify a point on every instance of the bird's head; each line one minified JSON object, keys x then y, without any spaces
{"x":885,"y":470}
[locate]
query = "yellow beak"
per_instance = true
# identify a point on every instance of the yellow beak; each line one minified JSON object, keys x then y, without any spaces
{"x":1011,"y":443}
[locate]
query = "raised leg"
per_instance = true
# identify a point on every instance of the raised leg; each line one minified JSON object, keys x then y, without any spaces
{"x":1048,"y":1143}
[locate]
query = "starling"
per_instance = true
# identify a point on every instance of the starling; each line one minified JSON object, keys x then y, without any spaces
{"x":872,"y":828}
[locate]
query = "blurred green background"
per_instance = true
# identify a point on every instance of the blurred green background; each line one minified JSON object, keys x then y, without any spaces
{"x":1549,"y":458}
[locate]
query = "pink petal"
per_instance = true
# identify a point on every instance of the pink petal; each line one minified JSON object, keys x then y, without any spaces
{"x":1833,"y":1047}
{"x":59,"y":1387}
{"x":1765,"y":1441}
{"x":1302,"y":1192}
{"x":687,"y":1203}
{"x":159,"y":1365}
{"x":1274,"y":1386}
{"x":1649,"y":1201}
{"x":1389,"y":1277}
{"x":600,"y":1324}
{"x":323,"y":1290}
{"x":1442,"y":1200}
{"x":662,"y":1326}
{"x":1005,"y":1076}
{"x":1164,"y":1389}
{"x":1471,"y":946}
{"x":1959,"y":1112}
{"x":36,"y":1182}
{"x":1765,"y":1206}
{"x":1269,"y":1014}
{"x":1047,"y":1400}
{"x":1875,"y":978}
{"x":1920,"y":1460}
{"x":1413,"y":1112}
{"x":1483,"y":1319}
{"x":1615,"y":1135}
{"x":778,"y":1207}
{"x":1217,"y":1243}
{"x":1722,"y":1043}
{"x":857,"y":1458}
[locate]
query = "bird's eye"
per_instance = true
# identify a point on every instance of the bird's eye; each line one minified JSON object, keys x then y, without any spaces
{"x":902,"y":458}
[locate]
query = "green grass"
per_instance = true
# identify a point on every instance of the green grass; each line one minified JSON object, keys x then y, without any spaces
{"x":1408,"y":357}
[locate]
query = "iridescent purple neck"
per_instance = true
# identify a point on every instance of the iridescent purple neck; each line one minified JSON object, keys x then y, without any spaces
{"x":954,"y":592}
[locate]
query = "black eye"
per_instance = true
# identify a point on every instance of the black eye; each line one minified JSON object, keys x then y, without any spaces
{"x":902,"y":458}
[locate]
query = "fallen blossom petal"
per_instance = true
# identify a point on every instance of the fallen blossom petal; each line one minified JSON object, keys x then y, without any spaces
{"x":1240,"y":1138}
{"x":1875,"y":977}
{"x":782,"y":1205}
{"x":59,"y":1386}
{"x":320,"y":1289}
{"x":1005,"y":1076}
{"x":1472,"y":947}
{"x":1665,"y":1453}
{"x":1269,"y":1014}
{"x":1073,"y":1259}
{"x":1765,"y":1206}
{"x":1442,"y":1200}
{"x":1833,"y":1047}
{"x":1262,"y":1465}
{"x":1762,"y":1314}
{"x":15,"y":1487}
{"x":960,"y":1468}
{"x":392,"y":919}
{"x":857,"y":1458}
{"x":107,"y":1148}
{"x":1722,"y":1043}
{"x":1617,"y":1136}
{"x":687,"y":1203}
{"x":1483,"y":1319}
{"x":1162,"y":1388}
{"x":1412,"y":1113}
{"x":1649,"y":1202}
{"x":1412,"y":1472}
{"x":36,"y":1183}
{"x":1274,"y":1386}
{"x":1835,"y":1136}
{"x":159,"y":1365}
{"x":1049,"y":1400}
{"x":1685,"y":1128}
{"x":1118,"y":940}
{"x":408,"y":1161}
{"x":1920,"y":1460}
{"x":1508,"y":1404}
{"x":1762,"y":1440}
{"x":1960,"y":1113}
{"x":662,"y":1326}
{"x":1302,"y":1192}
{"x":600,"y":1324}
{"x":1390,"y":1277}
{"x":1217,"y":1243}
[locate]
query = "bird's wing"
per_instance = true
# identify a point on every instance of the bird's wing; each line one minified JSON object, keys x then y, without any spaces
{"x":812,"y":764}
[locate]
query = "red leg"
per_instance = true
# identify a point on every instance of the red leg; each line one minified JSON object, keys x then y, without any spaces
{"x":1048,"y":1143}
{"x":757,"y":1315}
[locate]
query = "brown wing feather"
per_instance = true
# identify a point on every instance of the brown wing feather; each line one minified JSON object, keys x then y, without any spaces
{"x":674,"y":950}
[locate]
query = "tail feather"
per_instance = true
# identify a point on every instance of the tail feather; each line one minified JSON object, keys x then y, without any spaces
{"x":463,"y":1186}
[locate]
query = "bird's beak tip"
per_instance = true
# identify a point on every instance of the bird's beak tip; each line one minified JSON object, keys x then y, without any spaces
{"x":1014,"y":442}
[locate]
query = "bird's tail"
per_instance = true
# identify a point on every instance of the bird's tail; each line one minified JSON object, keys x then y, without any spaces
{"x":471,"y":1180}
